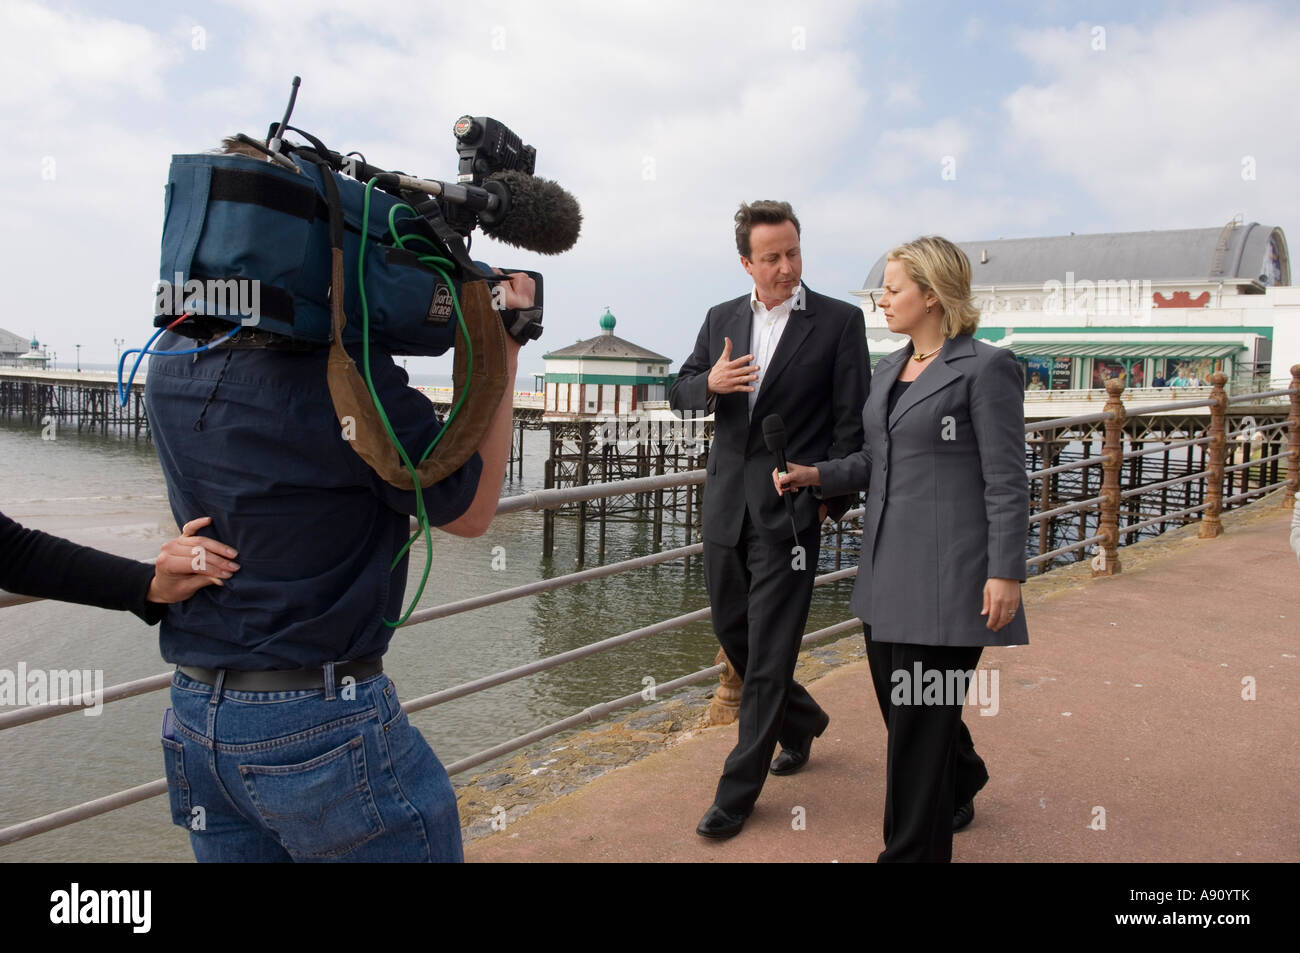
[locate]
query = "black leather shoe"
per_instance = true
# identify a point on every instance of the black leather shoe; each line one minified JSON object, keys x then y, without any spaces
{"x":962,"y":817}
{"x":791,"y":760}
{"x":720,"y":824}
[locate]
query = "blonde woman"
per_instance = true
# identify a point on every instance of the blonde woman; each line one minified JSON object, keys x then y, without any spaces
{"x":943,"y":548}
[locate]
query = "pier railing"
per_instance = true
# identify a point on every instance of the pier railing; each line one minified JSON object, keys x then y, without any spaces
{"x":1116,"y":513}
{"x":1115,"y":497}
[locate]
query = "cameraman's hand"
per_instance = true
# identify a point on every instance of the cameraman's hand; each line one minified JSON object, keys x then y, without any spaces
{"x":519,"y":290}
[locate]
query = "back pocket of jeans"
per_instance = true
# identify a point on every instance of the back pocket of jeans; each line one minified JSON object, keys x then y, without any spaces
{"x":178,"y":785}
{"x":320,"y":808}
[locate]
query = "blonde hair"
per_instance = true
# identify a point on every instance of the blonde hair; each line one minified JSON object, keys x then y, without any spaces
{"x":942,"y":269}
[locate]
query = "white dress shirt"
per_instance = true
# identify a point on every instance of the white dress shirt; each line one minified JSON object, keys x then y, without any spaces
{"x":765,"y":333}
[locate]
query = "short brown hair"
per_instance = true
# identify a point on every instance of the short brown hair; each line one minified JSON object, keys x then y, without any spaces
{"x":942,"y":269}
{"x":764,"y":212}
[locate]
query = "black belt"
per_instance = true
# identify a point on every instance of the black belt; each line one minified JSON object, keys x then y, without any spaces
{"x":289,"y":680}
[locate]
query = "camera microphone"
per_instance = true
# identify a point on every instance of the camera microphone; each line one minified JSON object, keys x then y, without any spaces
{"x":522,"y":210}
{"x":539,"y":215}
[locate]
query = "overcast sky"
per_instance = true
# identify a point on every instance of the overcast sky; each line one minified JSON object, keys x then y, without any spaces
{"x":660,"y":117}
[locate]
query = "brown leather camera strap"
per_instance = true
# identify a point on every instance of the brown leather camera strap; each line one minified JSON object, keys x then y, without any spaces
{"x":464,"y":434}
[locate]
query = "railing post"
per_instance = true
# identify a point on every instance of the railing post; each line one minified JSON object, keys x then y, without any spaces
{"x":726,"y":700}
{"x":1107,"y":561}
{"x":1210,"y":524}
{"x":1293,"y":449}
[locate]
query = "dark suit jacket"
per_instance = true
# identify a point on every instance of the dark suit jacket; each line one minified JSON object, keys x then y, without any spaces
{"x":948,"y":496}
{"x":816,"y":381}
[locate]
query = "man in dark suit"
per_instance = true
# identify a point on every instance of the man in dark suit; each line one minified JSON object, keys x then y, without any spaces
{"x":803,"y":357}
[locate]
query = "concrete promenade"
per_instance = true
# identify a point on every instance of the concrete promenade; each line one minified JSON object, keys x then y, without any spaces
{"x":1129,"y":698}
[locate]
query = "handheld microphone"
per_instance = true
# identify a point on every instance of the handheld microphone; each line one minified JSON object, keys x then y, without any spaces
{"x":774,"y":440}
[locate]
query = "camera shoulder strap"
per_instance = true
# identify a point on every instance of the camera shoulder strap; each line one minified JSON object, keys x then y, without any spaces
{"x":466,"y":431}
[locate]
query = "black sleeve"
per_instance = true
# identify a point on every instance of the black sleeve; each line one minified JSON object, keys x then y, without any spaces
{"x":852,"y":375}
{"x":33,"y":563}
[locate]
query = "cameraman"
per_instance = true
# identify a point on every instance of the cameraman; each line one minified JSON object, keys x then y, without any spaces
{"x":286,"y":741}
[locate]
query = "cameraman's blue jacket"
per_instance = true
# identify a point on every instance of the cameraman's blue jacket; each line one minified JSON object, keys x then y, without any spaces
{"x":249,"y":437}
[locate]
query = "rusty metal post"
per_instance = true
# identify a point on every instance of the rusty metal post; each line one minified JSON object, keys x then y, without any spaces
{"x":1210,"y":524}
{"x":726,"y":700}
{"x":1106,"y":562}
{"x":1293,"y":449}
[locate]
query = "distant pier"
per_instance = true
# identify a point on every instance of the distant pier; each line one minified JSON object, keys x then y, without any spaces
{"x":1168,"y":443}
{"x":84,"y":398}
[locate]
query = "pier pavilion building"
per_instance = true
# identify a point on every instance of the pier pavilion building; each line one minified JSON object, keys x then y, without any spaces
{"x":1160,"y":309}
{"x":604,"y":376}
{"x":17,"y":351}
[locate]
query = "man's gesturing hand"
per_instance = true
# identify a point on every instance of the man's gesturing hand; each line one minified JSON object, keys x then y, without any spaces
{"x":728,"y":376}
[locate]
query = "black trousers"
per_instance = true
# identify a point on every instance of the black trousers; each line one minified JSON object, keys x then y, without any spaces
{"x":760,"y":607}
{"x":931,"y":764}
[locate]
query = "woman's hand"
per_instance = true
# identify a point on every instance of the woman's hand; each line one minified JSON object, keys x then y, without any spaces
{"x":794,"y":478}
{"x":188,"y":563}
{"x":1001,"y":600}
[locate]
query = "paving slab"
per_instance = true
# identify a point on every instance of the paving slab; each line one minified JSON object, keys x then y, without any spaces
{"x":1152,"y":717}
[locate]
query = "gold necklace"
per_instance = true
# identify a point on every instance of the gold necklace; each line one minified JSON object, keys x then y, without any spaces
{"x":924,"y":357}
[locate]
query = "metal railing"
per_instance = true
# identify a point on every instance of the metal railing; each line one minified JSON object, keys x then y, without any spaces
{"x":1107,"y":503}
{"x":1261,"y":469}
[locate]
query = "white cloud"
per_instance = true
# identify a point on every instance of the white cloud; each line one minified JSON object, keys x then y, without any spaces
{"x":1154,"y":128}
{"x":51,"y":62}
{"x":902,"y":94}
{"x":922,"y":152}
{"x":731,"y":101}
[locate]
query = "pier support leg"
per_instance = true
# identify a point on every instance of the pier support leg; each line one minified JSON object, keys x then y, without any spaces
{"x":548,"y":515}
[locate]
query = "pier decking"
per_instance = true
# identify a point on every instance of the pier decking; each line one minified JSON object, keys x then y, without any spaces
{"x":1129,"y":698}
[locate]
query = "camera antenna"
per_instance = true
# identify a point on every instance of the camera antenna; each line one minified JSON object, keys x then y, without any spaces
{"x":277,"y":139}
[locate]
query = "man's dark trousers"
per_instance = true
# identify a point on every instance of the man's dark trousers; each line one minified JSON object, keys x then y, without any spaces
{"x":761,"y":636}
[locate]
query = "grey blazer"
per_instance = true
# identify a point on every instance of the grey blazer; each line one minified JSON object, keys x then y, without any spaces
{"x":948,"y":496}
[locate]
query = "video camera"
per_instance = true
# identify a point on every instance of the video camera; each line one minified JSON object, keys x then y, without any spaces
{"x":265,"y":216}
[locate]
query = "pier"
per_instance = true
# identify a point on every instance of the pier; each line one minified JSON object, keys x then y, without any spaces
{"x":86,"y":399}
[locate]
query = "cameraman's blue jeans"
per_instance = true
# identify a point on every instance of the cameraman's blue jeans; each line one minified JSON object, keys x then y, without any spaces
{"x":296,"y":776}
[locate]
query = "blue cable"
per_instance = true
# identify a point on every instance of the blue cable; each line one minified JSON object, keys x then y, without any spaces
{"x":124,"y":392}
